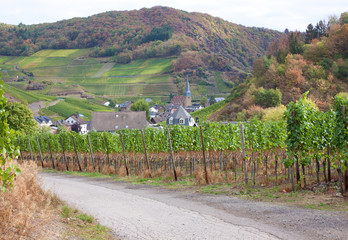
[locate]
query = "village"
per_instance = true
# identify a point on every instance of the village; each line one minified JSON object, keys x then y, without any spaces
{"x":176,"y":112}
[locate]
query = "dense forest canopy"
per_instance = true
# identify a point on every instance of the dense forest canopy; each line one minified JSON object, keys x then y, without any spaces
{"x":315,"y":61}
{"x":154,"y":32}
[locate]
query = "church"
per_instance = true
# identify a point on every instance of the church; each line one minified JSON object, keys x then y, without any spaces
{"x":180,"y":115}
{"x":185,"y":100}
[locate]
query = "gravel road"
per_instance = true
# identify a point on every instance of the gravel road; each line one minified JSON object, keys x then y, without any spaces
{"x":147,"y":212}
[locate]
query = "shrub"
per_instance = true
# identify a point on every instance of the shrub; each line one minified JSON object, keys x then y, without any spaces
{"x":163,"y":33}
{"x":268,"y":98}
{"x":123,"y":58}
{"x":254,"y":111}
{"x":274,"y":113}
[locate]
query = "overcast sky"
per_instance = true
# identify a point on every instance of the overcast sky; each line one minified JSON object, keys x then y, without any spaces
{"x":273,"y":14}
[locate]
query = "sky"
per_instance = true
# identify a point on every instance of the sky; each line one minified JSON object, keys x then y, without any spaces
{"x":272,"y":14}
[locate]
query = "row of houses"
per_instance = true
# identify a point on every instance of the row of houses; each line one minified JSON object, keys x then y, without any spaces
{"x":176,"y":112}
{"x":114,"y":121}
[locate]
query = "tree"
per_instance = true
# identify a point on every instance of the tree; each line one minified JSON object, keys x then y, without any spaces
{"x":20,"y":118}
{"x":310,"y":33}
{"x":76,"y":127}
{"x":141,"y":105}
{"x":320,"y":28}
{"x":203,"y":100}
{"x":212,"y":100}
{"x":8,"y":172}
{"x":163,"y":33}
{"x":268,"y":98}
{"x":295,"y":43}
{"x":343,"y":18}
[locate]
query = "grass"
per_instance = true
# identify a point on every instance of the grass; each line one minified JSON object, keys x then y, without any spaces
{"x":18,"y":85}
{"x":26,"y":96}
{"x":107,"y":89}
{"x":85,"y":218}
{"x":3,"y":59}
{"x":141,"y":77}
{"x":281,"y":194}
{"x":27,"y":208}
{"x":66,"y":212}
{"x":42,"y":62}
{"x":69,"y":106}
{"x":205,"y":113}
{"x":84,"y":174}
{"x":141,"y":67}
{"x":59,"y":88}
{"x":221,"y":85}
{"x":73,"y":53}
{"x":82,"y":226}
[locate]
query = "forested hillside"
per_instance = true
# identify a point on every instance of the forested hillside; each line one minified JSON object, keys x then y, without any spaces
{"x":201,"y":41}
{"x":292,"y":67}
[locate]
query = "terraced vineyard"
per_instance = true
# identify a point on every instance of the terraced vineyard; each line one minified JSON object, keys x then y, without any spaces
{"x":99,"y":76}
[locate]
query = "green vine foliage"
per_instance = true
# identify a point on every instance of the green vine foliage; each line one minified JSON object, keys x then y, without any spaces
{"x":259,"y":137}
{"x":301,"y":129}
{"x":8,"y":171}
{"x":341,"y":129}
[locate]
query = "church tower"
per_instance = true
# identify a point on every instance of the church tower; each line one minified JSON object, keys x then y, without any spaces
{"x":187,"y":95}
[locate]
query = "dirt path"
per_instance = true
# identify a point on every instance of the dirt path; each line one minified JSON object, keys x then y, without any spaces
{"x":36,"y":106}
{"x":147,"y":212}
{"x":106,"y":67}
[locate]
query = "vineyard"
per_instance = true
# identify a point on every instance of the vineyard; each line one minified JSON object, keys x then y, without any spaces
{"x":308,"y":144}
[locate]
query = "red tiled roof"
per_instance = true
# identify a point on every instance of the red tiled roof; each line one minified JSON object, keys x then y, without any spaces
{"x":178,"y":100}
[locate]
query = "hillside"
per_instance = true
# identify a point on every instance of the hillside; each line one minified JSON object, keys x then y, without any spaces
{"x":201,"y":42}
{"x":289,"y":69}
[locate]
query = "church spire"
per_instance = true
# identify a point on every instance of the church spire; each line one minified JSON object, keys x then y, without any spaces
{"x":187,"y":92}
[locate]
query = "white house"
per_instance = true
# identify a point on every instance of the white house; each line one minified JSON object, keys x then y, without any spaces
{"x":181,"y":117}
{"x":77,"y":119}
{"x":43,"y":121}
{"x":106,"y":103}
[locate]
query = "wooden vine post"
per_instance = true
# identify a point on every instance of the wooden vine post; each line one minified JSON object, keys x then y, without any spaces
{"x":328,"y":164}
{"x":91,"y":152}
{"x":66,"y":162}
{"x":204,"y":158}
{"x":145,"y":151}
{"x":298,"y":178}
{"x":38,"y":145}
{"x":172,"y":155}
{"x":244,"y":154}
{"x":20,"y":151}
{"x":77,"y":155}
{"x":107,"y":149}
{"x":49,"y":146}
{"x":345,"y":162}
{"x":31,"y":153}
{"x":124,"y":153}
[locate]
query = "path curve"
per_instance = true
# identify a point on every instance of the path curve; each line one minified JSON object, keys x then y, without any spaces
{"x":105,"y":68}
{"x":36,"y":106}
{"x":145,"y":212}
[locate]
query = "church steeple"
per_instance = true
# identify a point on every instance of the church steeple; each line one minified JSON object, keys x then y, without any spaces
{"x":187,"y":92}
{"x":187,"y":95}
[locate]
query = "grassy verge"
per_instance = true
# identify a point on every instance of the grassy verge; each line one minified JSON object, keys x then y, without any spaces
{"x":81,"y":226}
{"x":69,"y":106}
{"x":28,"y":212}
{"x":26,"y":96}
{"x":322,"y":197}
